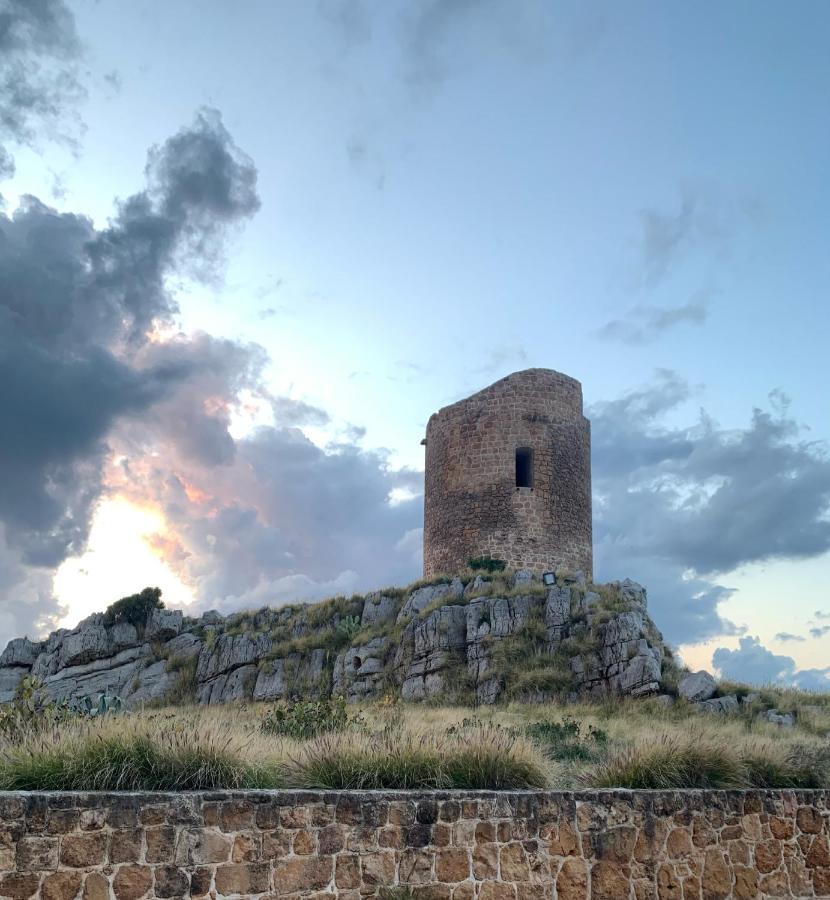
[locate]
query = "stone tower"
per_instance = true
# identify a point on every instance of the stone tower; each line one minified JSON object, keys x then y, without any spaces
{"x":508,"y":475}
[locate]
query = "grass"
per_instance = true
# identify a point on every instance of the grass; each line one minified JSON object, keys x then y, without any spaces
{"x":614,"y":744}
{"x":698,"y":761}
{"x":488,"y":757}
{"x":156,"y":751}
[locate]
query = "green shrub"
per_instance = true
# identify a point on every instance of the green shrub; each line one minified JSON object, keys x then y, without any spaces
{"x":348,"y":627}
{"x":135,"y":608}
{"x":304,"y":719}
{"x":487,"y":564}
{"x":94,"y":707}
{"x":565,"y":740}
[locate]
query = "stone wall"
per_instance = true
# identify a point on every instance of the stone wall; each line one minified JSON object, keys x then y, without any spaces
{"x":472,"y":506}
{"x":706,"y":845}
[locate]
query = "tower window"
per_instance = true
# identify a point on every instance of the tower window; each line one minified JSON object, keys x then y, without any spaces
{"x":524,"y":467}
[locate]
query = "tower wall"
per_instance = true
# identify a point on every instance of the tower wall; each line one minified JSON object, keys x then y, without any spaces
{"x":472,"y":506}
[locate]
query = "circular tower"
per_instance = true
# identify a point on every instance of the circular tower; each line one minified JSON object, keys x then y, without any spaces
{"x":508,"y":475}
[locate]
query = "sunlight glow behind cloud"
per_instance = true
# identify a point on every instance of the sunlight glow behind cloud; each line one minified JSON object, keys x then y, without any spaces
{"x":119,"y":553}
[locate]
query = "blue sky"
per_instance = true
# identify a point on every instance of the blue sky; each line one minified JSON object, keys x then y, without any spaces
{"x":448,"y":191}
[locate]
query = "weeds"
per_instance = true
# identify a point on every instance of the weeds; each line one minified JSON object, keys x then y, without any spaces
{"x":303,"y":719}
{"x":566,"y":740}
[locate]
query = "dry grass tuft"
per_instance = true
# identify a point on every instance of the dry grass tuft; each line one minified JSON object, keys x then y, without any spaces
{"x":397,"y":745}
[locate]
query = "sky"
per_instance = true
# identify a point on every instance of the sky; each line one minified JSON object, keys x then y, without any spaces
{"x":247,"y":249}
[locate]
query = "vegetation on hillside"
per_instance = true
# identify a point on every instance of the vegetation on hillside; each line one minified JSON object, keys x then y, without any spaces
{"x":134,"y":609}
{"x":324,"y":744}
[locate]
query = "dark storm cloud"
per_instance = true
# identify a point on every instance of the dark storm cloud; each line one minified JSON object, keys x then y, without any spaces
{"x":755,"y":664}
{"x":647,"y":323}
{"x":27,"y":606}
{"x":76,"y":307}
{"x":675,"y":506}
{"x":39,"y":83}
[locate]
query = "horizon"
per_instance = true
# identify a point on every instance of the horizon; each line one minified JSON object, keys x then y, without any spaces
{"x":232,"y":294}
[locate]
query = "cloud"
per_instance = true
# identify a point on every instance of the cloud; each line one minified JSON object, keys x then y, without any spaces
{"x":785,"y":636}
{"x":820,"y":631}
{"x":678,"y":506}
{"x":27,"y":606}
{"x":812,"y":679}
{"x":442,"y":37}
{"x":279,"y":513}
{"x":647,"y":323}
{"x":349,"y":18}
{"x":39,"y":84}
{"x":78,"y":307}
{"x":753,"y":663}
{"x":497,"y":358}
{"x":104,"y":398}
{"x":706,"y":497}
{"x":667,"y":239}
{"x":820,"y":614}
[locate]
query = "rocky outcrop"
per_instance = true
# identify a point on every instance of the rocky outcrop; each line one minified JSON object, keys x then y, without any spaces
{"x":697,"y":687}
{"x":451,"y":640}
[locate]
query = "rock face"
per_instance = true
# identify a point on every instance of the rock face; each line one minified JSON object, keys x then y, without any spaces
{"x":488,"y":639}
{"x":697,"y":687}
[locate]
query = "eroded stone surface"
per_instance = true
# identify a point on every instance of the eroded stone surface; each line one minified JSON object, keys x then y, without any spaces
{"x":600,"y":845}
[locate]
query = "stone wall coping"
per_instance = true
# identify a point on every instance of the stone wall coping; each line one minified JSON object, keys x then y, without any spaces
{"x":303,"y":795}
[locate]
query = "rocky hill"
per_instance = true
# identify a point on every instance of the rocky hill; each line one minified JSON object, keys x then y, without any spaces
{"x":474,"y":639}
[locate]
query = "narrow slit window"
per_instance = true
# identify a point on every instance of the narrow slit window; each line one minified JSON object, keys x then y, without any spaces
{"x":524,"y":467}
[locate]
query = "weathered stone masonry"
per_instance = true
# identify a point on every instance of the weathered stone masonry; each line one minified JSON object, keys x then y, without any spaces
{"x":705,"y":845}
{"x":472,"y":504}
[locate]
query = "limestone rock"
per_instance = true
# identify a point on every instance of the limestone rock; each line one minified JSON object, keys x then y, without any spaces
{"x":782,"y":720}
{"x":640,"y":676}
{"x":477,"y":584}
{"x":229,"y":652}
{"x":20,"y":652}
{"x":163,"y":624}
{"x":359,"y":671}
{"x":149,"y":683}
{"x":421,"y":598}
{"x":574,"y":578}
{"x":631,"y":592}
{"x":557,"y":612}
{"x":727,"y":704}
{"x":697,"y":686}
{"x":378,"y":609}
{"x":522,"y":577}
{"x":183,"y":646}
{"x":297,"y":674}
{"x":616,"y":648}
{"x":88,"y":641}
{"x":112,"y":675}
{"x":10,"y":678}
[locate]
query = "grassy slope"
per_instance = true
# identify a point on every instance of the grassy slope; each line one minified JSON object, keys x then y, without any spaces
{"x":619,"y":743}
